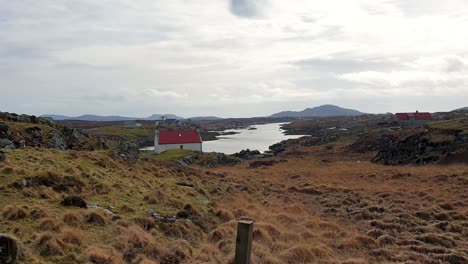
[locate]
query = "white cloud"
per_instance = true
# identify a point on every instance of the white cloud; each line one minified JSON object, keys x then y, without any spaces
{"x":203,"y":54}
{"x":157,"y":93}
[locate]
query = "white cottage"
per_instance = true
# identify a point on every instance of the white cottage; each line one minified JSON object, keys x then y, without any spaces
{"x":190,"y":140}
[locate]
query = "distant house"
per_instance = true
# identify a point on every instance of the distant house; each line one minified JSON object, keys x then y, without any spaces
{"x":413,"y":119}
{"x":132,"y":124}
{"x":167,"y":121}
{"x":165,"y":140}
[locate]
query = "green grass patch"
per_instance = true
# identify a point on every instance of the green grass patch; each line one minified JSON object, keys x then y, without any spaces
{"x":124,"y":132}
{"x":457,"y":124}
{"x":440,"y":138}
{"x":168,"y":155}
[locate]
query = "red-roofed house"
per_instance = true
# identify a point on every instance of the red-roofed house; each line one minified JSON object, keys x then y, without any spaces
{"x":189,"y":139}
{"x":413,"y":119}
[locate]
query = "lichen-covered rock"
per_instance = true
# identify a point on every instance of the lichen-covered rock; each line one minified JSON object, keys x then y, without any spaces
{"x":6,"y":143}
{"x":58,"y":141}
{"x":3,"y":127}
{"x":127,"y":151}
{"x":24,"y":118}
{"x":250,"y":154}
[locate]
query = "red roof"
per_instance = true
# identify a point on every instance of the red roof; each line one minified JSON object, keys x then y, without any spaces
{"x":415,"y":116}
{"x":179,"y":137}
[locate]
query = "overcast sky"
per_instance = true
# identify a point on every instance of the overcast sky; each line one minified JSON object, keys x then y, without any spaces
{"x":231,"y":58}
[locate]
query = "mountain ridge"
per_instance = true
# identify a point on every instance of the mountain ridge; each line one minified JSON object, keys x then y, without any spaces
{"x":327,"y":110}
{"x":89,"y":117}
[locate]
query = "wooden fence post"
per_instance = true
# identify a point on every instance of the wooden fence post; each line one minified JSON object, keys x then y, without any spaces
{"x":243,"y":242}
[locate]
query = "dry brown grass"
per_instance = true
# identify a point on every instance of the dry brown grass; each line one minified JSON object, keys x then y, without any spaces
{"x":71,"y":236}
{"x":73,"y":219}
{"x":305,"y":210}
{"x":305,"y":254}
{"x":134,"y":241}
{"x":48,"y":224}
{"x":96,"y":217}
{"x":48,"y":244}
{"x":14,"y":212}
{"x":104,"y":255}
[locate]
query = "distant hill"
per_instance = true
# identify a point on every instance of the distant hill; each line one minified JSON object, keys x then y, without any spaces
{"x":461,"y":109}
{"x":110,"y":118}
{"x":319,"y":111}
{"x":204,"y":118}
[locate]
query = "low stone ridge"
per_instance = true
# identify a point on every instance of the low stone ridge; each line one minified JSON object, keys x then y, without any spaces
{"x":305,"y":141}
{"x":251,"y":154}
{"x":66,"y":184}
{"x":209,"y":159}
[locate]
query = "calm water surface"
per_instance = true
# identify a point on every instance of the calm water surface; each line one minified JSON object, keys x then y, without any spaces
{"x":259,"y":139}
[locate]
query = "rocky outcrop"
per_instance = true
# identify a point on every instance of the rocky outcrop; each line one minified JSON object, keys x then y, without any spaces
{"x":23,"y":130}
{"x":419,"y":150}
{"x":58,"y":141}
{"x":75,"y":201}
{"x":6,"y":144}
{"x":306,"y":141}
{"x":9,"y":249}
{"x":66,"y":184}
{"x":251,"y":154}
{"x":3,"y":128}
{"x":127,"y":151}
{"x":211,"y":159}
{"x":445,"y":141}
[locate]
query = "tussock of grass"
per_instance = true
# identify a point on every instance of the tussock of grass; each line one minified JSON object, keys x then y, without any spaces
{"x":48,"y":224}
{"x":13,"y":212}
{"x":96,"y":216}
{"x":73,"y":219}
{"x":71,"y":236}
{"x":48,"y":244}
{"x":104,"y":255}
{"x":133,"y":241}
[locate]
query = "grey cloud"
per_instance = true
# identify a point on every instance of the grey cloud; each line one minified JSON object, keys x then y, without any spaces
{"x":104,"y":97}
{"x":344,"y":65}
{"x":455,"y":65}
{"x":246,"y":8}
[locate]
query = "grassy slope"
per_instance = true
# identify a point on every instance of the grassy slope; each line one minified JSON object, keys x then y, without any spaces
{"x":127,"y":186}
{"x":131,"y":133}
{"x":446,"y":130}
{"x":306,"y":210}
